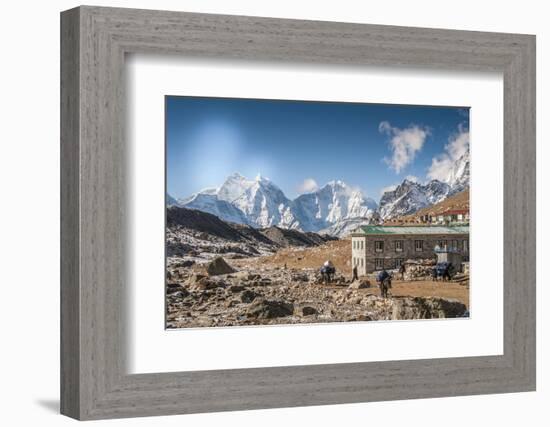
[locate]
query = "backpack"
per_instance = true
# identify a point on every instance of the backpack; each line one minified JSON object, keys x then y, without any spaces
{"x":382,"y":275}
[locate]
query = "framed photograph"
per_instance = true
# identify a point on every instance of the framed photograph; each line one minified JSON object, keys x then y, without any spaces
{"x":262,"y":213}
{"x":302,"y":245}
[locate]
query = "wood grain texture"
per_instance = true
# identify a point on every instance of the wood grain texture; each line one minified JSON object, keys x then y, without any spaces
{"x":70,"y":292}
{"x":94,"y":231}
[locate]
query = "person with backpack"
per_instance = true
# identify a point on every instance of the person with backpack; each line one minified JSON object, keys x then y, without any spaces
{"x":384,"y":282}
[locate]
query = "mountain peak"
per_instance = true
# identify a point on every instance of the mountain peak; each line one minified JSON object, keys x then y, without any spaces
{"x":260,"y":203}
{"x":260,"y":178}
{"x":336,"y":183}
{"x":236,"y":176}
{"x":409,"y":183}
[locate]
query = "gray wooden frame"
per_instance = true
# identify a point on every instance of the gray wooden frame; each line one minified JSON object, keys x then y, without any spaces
{"x":94,"y":41}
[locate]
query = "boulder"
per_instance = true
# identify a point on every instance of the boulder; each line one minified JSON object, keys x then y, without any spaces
{"x":218,"y":266}
{"x":194,"y":278}
{"x":248,"y":296}
{"x":308,"y":311}
{"x":246,"y":276}
{"x":186,"y":263}
{"x":199,"y":282}
{"x":173,"y":287}
{"x":426,"y":308}
{"x":359,"y":284}
{"x":176,"y":289}
{"x":300,"y":277}
{"x":270,"y":309}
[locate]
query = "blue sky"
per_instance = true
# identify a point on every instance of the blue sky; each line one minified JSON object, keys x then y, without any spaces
{"x":300,"y":145}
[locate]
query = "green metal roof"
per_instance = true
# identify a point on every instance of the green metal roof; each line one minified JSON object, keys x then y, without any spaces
{"x":413,"y":229}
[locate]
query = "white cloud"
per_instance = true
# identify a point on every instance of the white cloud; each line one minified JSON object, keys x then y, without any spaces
{"x":404,"y":144}
{"x":412,"y":178}
{"x":309,"y":185}
{"x":442,"y":165}
{"x":388,"y":188}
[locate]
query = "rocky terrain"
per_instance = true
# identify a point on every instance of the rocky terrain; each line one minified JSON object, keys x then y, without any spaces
{"x":227,"y":274}
{"x":216,"y":294}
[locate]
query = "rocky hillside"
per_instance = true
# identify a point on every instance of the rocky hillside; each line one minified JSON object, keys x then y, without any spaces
{"x":456,"y":201}
{"x":195,"y":235}
{"x":284,"y":238}
{"x":411,"y":196}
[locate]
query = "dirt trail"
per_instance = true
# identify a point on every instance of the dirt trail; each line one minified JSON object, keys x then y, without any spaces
{"x":339,"y":252}
{"x":428,"y":288}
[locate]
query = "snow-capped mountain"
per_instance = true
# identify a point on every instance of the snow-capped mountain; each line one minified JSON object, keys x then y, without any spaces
{"x":459,"y":177}
{"x":343,"y":227}
{"x":332,"y":204}
{"x":257,"y":202}
{"x":335,"y":209}
{"x":411,"y":196}
{"x":260,"y":203}
{"x":207,"y":202}
{"x":170,"y":201}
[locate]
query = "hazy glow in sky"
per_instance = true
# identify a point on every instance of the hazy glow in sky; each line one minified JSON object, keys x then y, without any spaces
{"x":302,"y":145}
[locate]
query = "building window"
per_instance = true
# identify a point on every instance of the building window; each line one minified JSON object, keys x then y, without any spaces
{"x":442,"y":244}
{"x":361,"y":244}
{"x":465,"y":245}
{"x":361,"y":262}
{"x":399,"y":246}
{"x":355,"y":244}
{"x":379,"y":246}
{"x":399,"y":262}
{"x":419,"y":245}
{"x":378,"y":263}
{"x":454,"y":244}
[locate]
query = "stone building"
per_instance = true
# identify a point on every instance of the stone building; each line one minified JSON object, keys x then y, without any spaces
{"x":374,"y":247}
{"x":453,"y":216}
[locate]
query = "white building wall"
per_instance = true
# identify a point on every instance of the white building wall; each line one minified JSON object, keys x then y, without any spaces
{"x":359,"y":254}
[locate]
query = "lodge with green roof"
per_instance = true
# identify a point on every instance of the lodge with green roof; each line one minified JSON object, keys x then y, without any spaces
{"x":377,"y":247}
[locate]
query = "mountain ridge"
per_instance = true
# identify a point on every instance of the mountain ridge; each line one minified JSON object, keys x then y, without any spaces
{"x":260,"y":203}
{"x":336,"y":208}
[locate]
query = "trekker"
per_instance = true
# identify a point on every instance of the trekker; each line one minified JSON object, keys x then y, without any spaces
{"x":434,"y":273}
{"x":355,"y":275}
{"x":447,"y":273}
{"x":384,"y":282}
{"x":402,"y":271}
{"x":328,"y":271}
